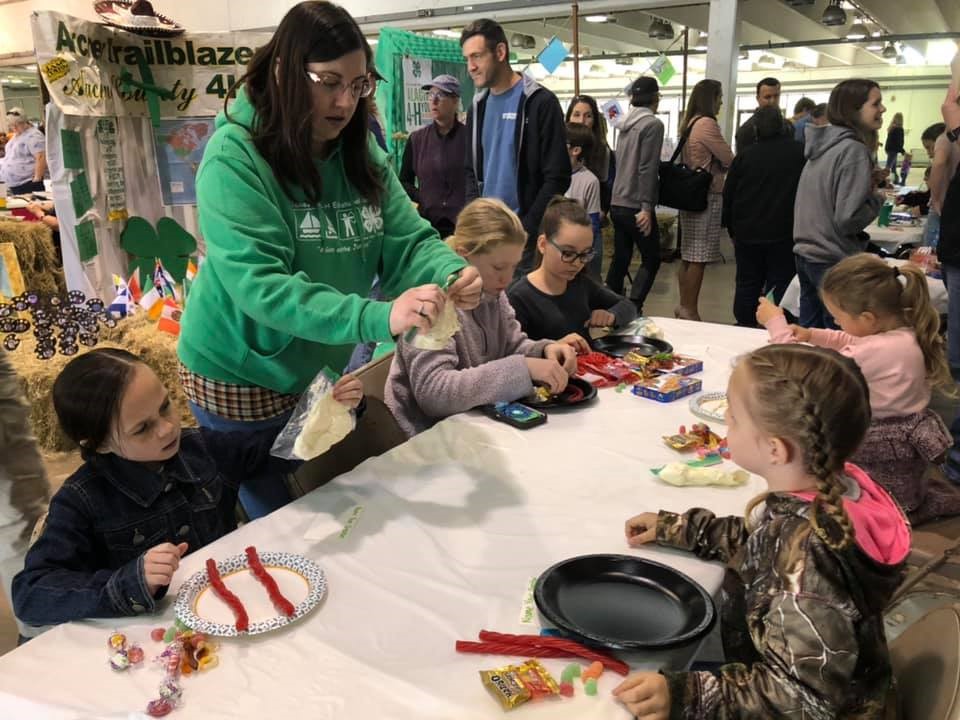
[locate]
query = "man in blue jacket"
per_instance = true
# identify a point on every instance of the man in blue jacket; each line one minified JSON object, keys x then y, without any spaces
{"x":517,"y":149}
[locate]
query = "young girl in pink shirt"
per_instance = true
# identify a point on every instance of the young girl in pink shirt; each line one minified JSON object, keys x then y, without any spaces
{"x":891,"y":329}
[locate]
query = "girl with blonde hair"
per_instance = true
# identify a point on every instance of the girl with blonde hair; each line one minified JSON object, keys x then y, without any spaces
{"x":490,"y":359}
{"x":891,"y":329}
{"x":809,"y":568}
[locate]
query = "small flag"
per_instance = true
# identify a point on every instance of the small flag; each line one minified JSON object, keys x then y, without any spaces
{"x":152,"y":302}
{"x":165,"y":283}
{"x":663,"y":69}
{"x":191,"y":270}
{"x":553,"y":55}
{"x":133,"y":285}
{"x":170,"y":318}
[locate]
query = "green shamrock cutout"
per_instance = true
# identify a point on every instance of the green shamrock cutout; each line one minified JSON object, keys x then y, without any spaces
{"x":169,"y":242}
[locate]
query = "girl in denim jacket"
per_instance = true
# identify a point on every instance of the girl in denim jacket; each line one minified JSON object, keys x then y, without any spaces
{"x":146,"y":495}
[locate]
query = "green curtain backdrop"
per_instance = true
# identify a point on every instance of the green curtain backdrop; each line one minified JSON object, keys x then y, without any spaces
{"x":392,"y":47}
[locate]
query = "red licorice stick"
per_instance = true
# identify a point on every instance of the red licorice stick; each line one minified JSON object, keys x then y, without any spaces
{"x":531,"y":650}
{"x":572,"y":647}
{"x":216,"y":582}
{"x":266,"y":579}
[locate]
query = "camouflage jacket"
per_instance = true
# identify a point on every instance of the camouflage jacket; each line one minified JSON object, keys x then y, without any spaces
{"x":802,"y":624}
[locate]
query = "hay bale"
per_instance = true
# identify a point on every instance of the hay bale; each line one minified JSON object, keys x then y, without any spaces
{"x":36,"y":254}
{"x":136,"y":334}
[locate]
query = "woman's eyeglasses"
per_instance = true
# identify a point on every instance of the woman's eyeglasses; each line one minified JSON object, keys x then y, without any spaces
{"x":438,"y":95}
{"x":570,"y":256}
{"x":332,"y":84}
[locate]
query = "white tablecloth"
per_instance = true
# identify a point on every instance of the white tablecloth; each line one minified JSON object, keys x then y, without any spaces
{"x":892,"y":237}
{"x":455,"y":524}
{"x":938,"y":292}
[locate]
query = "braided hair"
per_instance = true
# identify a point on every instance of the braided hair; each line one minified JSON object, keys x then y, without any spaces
{"x":818,"y":400}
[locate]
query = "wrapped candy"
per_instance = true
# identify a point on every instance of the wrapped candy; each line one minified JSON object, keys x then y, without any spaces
{"x":119,"y":661}
{"x":505,"y":686}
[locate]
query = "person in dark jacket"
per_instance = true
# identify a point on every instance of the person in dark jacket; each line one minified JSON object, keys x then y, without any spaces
{"x":758,"y":213}
{"x":894,"y":147}
{"x":432,"y":166}
{"x":146,"y":495}
{"x":768,"y":95}
{"x":516,"y":131}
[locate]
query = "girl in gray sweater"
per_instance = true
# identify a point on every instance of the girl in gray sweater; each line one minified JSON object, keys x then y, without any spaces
{"x":490,"y":359}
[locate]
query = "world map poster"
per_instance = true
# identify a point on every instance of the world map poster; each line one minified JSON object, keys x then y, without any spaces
{"x":180,"y":145}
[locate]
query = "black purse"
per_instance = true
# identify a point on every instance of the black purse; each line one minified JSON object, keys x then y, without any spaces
{"x":681,"y":187}
{"x":948,"y":249}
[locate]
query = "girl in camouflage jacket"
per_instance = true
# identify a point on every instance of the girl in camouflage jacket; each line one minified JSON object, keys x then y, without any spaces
{"x":810,"y":567}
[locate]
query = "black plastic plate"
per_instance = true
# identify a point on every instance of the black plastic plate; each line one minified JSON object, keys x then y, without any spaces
{"x":624,"y":602}
{"x":620,"y":345}
{"x":584,"y":392}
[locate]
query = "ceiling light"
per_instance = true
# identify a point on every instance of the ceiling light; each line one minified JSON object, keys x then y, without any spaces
{"x":597,"y":18}
{"x":446,"y":33}
{"x":889,"y":52}
{"x":834,"y":15}
{"x":701,"y":41}
{"x":766,"y":60}
{"x":627,"y":61}
{"x":518,"y":40}
{"x":661,"y":30}
{"x":857,"y":31}
{"x":875,"y":43}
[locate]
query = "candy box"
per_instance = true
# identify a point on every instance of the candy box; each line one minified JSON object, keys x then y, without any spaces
{"x":683,"y":365}
{"x":667,"y":387}
{"x":664,"y":362}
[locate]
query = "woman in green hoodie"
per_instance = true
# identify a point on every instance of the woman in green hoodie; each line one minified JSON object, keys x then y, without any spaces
{"x":299,"y":211}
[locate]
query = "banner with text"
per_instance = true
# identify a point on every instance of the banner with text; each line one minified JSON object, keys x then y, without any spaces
{"x":84,"y":63}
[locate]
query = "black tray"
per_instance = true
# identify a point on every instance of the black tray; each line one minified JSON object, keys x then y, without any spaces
{"x":624,"y":602}
{"x":587,"y":393}
{"x":620,"y":345}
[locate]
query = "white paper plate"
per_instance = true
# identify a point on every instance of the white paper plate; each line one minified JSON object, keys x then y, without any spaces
{"x":710,"y":406}
{"x":300,"y":580}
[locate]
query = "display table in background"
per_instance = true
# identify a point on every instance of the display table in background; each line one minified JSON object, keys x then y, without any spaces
{"x":455,"y":525}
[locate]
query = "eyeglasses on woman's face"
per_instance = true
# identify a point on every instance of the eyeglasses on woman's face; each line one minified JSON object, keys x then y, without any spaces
{"x":572,"y":256}
{"x":333,"y":84}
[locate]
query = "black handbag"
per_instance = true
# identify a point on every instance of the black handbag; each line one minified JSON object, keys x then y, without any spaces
{"x":948,"y":248}
{"x":681,"y":187}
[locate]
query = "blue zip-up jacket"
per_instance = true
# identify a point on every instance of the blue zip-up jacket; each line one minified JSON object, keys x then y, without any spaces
{"x":89,"y":560}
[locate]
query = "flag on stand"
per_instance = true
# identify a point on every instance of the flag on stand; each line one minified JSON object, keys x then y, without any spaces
{"x":165,"y":283}
{"x":170,"y":317}
{"x":152,"y":302}
{"x":133,"y":285}
{"x":122,"y":304}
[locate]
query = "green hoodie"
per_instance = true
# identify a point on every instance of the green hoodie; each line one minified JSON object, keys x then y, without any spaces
{"x":282,"y":293}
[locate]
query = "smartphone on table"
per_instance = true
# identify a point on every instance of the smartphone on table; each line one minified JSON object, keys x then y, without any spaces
{"x":515,"y":414}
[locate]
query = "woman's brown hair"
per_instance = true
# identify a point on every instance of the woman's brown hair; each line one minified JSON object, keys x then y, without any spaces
{"x":281,"y":94}
{"x":817,"y":400}
{"x":702,"y":102}
{"x":865,"y":283}
{"x":843,"y":108}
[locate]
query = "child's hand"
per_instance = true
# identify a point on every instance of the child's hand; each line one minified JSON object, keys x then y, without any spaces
{"x":467,"y":289}
{"x":578,"y":342}
{"x":767,"y":311}
{"x":601,"y":318}
{"x":549,"y":373}
{"x":646,"y":695}
{"x":641,"y":529}
{"x":563,"y":354}
{"x":160,"y":563}
{"x":801,"y":334}
{"x":348,"y":391}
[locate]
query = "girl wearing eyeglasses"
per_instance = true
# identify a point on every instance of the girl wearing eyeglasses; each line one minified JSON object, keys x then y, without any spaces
{"x":557,"y":300}
{"x":299,"y":211}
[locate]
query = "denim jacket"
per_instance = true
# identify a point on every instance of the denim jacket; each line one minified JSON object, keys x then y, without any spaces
{"x":89,"y":560}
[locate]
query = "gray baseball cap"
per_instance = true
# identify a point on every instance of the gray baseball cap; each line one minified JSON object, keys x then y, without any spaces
{"x":448,"y":83}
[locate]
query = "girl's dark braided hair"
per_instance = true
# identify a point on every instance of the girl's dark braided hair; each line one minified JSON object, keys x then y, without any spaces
{"x":818,"y":400}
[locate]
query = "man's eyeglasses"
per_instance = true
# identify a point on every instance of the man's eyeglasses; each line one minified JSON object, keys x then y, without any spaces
{"x":332,"y":84}
{"x":570,"y":256}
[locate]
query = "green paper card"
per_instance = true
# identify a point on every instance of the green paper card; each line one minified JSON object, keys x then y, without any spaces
{"x":80,"y":190}
{"x":87,"y":241}
{"x":72,"y":149}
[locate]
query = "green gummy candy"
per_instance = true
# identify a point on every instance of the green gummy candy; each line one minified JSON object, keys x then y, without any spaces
{"x":179,"y":624}
{"x":170,"y":635}
{"x":590,"y":687}
{"x":570,"y":672}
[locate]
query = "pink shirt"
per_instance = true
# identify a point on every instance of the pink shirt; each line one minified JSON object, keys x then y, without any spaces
{"x":706,"y":148}
{"x":891,"y":362}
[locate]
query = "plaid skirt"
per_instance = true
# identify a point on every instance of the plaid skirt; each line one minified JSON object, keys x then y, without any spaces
{"x":700,"y":240}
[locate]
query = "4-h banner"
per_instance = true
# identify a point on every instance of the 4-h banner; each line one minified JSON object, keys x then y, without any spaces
{"x":417,"y":72}
{"x":83,"y":65}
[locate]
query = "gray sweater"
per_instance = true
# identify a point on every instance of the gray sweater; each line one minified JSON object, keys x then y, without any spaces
{"x":637,"y":185}
{"x":836,"y":198}
{"x":484,"y":363}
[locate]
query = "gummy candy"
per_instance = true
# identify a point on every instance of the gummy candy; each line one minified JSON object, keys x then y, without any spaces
{"x":566,"y":689}
{"x":157,"y":634}
{"x":159,"y":708}
{"x":135,"y":655}
{"x":591,"y":686}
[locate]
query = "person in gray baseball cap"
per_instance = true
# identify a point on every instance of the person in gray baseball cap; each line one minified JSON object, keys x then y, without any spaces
{"x":432,"y":170}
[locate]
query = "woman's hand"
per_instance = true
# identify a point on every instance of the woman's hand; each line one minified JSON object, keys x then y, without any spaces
{"x":641,"y":529}
{"x":601,"y":318}
{"x":467,"y":289}
{"x":767,"y":311}
{"x":160,"y":563}
{"x":348,"y":391}
{"x":563,"y":355}
{"x":418,"y":307}
{"x":801,"y":334}
{"x":646,"y":695}
{"x":549,"y":373}
{"x":577,"y":341}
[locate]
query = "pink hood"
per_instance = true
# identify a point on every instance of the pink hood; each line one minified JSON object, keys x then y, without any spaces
{"x":882,"y":532}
